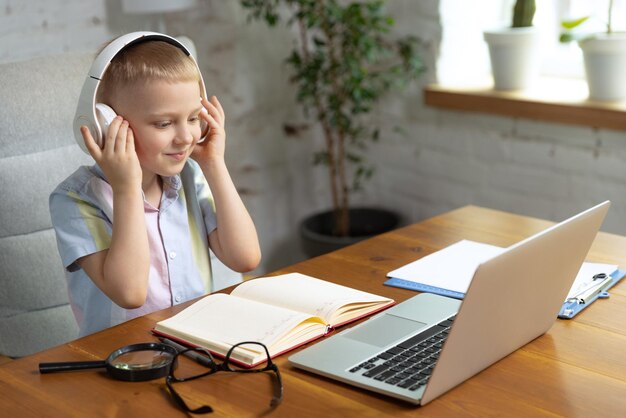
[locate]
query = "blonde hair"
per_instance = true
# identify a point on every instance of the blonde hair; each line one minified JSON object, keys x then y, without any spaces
{"x":145,"y":62}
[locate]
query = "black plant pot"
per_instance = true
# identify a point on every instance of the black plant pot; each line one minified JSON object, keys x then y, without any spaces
{"x":316,"y":230}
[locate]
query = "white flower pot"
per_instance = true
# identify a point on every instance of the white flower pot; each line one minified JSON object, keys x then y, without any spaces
{"x":514,"y":55}
{"x":605,"y":66}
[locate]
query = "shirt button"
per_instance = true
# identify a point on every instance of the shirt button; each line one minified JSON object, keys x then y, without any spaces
{"x":178,"y":298}
{"x":172,"y":254}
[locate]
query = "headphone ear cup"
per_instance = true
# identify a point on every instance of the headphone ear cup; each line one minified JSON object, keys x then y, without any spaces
{"x":105,"y":115}
{"x":204,"y":127}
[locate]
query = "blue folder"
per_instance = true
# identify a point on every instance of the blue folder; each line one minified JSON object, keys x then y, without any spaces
{"x":569,"y":309}
{"x":418,"y":287}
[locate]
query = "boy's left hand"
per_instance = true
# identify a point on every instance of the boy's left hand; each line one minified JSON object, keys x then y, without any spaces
{"x":212,"y":148}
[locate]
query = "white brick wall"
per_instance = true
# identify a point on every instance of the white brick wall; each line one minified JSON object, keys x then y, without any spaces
{"x":538,"y":169}
{"x":35,"y":28}
{"x":446,"y":159}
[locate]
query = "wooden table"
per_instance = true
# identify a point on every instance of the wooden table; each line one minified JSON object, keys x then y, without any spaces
{"x":578,"y":368}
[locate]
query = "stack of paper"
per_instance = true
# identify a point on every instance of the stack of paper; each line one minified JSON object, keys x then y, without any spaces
{"x":452,"y":269}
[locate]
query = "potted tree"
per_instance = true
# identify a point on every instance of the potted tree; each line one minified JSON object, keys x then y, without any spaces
{"x":344,"y":61}
{"x":604,"y":54}
{"x":513,"y":50}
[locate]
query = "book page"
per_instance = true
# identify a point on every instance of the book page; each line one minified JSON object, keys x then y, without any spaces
{"x":314,"y":296}
{"x":218,"y":321}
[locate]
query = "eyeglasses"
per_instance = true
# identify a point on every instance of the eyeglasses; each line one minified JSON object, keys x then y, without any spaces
{"x":226,"y":366}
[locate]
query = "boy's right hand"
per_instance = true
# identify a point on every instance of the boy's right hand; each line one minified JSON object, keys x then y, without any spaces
{"x":117,"y":159}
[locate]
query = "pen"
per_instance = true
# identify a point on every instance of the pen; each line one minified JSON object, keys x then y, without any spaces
{"x":590,"y":293}
{"x":194,"y":355}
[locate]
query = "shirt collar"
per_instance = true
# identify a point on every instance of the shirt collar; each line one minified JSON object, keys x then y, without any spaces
{"x":171,"y":184}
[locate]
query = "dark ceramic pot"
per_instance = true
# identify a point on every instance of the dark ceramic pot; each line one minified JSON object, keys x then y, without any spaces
{"x":316,"y":230}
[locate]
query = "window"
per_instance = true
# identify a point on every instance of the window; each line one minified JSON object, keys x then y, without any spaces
{"x":464,"y":58}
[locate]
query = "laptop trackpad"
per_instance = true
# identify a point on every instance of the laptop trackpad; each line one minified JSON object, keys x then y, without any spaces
{"x":383,"y":330}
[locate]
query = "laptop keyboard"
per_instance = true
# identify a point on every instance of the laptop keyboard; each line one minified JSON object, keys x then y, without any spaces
{"x":409,"y":364}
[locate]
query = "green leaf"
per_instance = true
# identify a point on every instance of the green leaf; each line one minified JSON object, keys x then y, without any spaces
{"x":572,"y":37}
{"x":571,"y":24}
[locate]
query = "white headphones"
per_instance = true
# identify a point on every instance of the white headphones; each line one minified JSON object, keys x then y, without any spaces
{"x":98,"y":116}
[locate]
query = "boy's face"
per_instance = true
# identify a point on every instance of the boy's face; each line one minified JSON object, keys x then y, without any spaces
{"x":165,"y":121}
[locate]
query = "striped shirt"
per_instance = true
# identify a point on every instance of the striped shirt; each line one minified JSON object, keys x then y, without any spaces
{"x":81,"y":208}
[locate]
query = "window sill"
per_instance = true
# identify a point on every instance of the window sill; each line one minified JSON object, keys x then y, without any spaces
{"x":551,"y":100}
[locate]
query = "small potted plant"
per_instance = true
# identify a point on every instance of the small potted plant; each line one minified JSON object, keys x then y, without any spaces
{"x":513,"y":49}
{"x":343,"y":62}
{"x":604,"y":55}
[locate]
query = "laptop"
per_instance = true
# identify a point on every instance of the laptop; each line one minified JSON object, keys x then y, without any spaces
{"x":428,"y":344}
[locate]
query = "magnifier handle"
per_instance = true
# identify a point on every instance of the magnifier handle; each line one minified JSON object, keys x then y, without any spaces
{"x":70,"y":365}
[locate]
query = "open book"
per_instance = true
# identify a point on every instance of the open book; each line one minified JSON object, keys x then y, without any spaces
{"x":282,"y":312}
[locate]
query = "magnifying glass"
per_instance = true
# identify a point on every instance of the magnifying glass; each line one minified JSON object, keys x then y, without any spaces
{"x":132,"y":363}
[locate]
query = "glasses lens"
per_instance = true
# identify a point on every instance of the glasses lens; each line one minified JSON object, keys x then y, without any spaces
{"x":255,"y":350}
{"x":200,"y":363}
{"x":142,"y":360}
{"x":265,"y":365}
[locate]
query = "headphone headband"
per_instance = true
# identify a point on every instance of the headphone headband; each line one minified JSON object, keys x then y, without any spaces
{"x":109,"y":52}
{"x":85,"y":110}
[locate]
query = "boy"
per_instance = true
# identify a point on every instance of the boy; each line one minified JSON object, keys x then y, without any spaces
{"x":134,"y":230}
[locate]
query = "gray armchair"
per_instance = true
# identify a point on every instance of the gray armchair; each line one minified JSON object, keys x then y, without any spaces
{"x":37,"y":151}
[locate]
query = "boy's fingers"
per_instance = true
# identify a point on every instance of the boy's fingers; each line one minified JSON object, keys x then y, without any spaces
{"x":112,"y":132}
{"x":212,"y":122}
{"x":120,"y":140}
{"x":218,"y":105}
{"x":207,"y":105}
{"x":213,"y":110}
{"x":90,"y":143}
{"x":130,"y":140}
